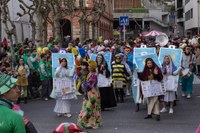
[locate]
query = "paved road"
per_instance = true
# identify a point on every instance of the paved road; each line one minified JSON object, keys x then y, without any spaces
{"x":123,"y":118}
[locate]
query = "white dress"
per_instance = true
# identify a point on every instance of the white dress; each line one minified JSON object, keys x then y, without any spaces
{"x":63,"y":103}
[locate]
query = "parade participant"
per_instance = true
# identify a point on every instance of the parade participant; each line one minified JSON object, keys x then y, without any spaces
{"x":187,"y":81}
{"x":100,"y":48}
{"x":3,"y":63}
{"x":119,"y":74}
{"x":49,"y":68}
{"x":5,"y":44}
{"x":82,"y":74}
{"x":11,"y":122}
{"x":168,"y":69}
{"x":106,"y":93}
{"x":90,"y":115}
{"x":44,"y":77}
{"x":151,"y":72}
{"x":26,"y":55}
{"x":33,"y":61}
{"x":197,"y":55}
{"x":63,"y":103}
{"x":22,"y":72}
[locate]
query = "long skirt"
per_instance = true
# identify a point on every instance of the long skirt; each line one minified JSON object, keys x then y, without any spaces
{"x":153,"y":106}
{"x":187,"y":84}
{"x":107,"y":97}
{"x":62,"y":106}
{"x":169,"y":96}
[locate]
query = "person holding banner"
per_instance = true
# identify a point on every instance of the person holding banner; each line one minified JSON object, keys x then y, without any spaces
{"x":151,"y":72}
{"x":105,"y":89}
{"x":188,"y":77}
{"x":168,"y":69}
{"x":90,"y":115}
{"x":63,"y":103}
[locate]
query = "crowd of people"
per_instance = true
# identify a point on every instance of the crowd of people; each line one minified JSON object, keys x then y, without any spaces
{"x":34,"y":78}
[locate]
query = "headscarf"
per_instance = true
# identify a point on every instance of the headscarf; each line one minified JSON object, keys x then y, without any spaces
{"x":171,"y":65}
{"x":99,"y":65}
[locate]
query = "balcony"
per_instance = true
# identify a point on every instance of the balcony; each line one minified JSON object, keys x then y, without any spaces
{"x":131,"y":10}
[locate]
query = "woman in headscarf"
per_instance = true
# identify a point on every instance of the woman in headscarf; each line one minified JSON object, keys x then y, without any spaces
{"x":151,"y":72}
{"x":90,"y":115}
{"x":106,"y":93}
{"x":168,"y":69}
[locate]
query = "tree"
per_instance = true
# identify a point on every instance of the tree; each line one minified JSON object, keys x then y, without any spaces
{"x":10,"y":28}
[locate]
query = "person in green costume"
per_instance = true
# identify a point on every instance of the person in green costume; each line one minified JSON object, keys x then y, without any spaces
{"x":33,"y":61}
{"x":26,"y":55}
{"x":10,"y":121}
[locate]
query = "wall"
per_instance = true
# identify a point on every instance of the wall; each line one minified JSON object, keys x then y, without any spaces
{"x":192,"y":23}
{"x":22,"y":26}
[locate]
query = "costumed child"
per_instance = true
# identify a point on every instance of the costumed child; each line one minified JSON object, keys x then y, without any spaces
{"x":64,"y":95}
{"x":82,"y":77}
{"x":168,"y":69}
{"x":151,"y":72}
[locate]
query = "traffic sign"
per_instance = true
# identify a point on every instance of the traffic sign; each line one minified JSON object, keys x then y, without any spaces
{"x":124,"y":20}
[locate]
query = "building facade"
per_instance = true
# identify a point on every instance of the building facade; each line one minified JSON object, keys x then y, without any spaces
{"x":22,"y":24}
{"x":103,"y":27}
{"x":144,"y":15}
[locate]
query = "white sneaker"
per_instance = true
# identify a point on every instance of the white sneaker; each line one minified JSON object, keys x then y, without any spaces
{"x":128,"y":93}
{"x":163,"y":110}
{"x":171,"y":111}
{"x":183,"y":94}
{"x":68,"y":115}
{"x":188,"y":96}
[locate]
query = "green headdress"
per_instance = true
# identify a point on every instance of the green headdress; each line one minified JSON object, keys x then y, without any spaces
{"x":6,"y":83}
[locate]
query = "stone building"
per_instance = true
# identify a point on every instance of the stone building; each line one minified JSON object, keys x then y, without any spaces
{"x":103,"y":27}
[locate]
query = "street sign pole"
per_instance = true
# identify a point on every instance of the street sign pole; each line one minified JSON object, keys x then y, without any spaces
{"x":124,"y":29}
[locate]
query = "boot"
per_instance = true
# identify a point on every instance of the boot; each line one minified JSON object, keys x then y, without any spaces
{"x":122,"y":96}
{"x":137,"y":107}
{"x":25,"y":100}
{"x":148,"y":117}
{"x":157,"y":117}
{"x":117,"y":95}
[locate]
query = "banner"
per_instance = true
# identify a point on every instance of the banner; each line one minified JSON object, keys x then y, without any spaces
{"x":176,"y":55}
{"x":142,"y":51}
{"x":171,"y":83}
{"x":107,"y":57}
{"x":152,"y":88}
{"x":55,"y":61}
{"x":63,"y":85}
{"x":140,"y":61}
{"x":135,"y":86}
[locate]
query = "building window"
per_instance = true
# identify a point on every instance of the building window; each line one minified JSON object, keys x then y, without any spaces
{"x":187,"y":15}
{"x":187,"y":1}
{"x":180,"y":13}
{"x":191,"y":13}
{"x":179,"y":3}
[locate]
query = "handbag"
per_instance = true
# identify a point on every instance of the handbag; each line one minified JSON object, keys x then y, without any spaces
{"x":192,"y":66}
{"x":118,"y":84}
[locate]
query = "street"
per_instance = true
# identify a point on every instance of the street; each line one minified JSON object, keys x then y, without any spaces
{"x":123,"y":118}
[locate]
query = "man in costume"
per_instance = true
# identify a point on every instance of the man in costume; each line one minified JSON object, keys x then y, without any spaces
{"x":10,"y":121}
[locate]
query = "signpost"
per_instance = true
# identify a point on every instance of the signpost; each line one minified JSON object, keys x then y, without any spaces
{"x":123,"y":21}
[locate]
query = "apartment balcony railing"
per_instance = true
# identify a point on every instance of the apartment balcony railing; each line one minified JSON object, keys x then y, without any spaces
{"x":131,"y":10}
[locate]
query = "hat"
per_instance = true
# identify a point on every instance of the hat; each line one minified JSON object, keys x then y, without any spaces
{"x":68,"y":128}
{"x":118,"y":55}
{"x":82,"y":52}
{"x":92,"y":63}
{"x":6,"y":83}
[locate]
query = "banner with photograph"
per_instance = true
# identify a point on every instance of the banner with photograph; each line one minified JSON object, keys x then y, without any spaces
{"x":107,"y":57}
{"x":175,"y":54}
{"x":70,"y":61}
{"x":142,"y":51}
{"x":140,"y":61}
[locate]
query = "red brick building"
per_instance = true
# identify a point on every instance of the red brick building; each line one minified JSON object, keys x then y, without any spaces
{"x":104,"y":26}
